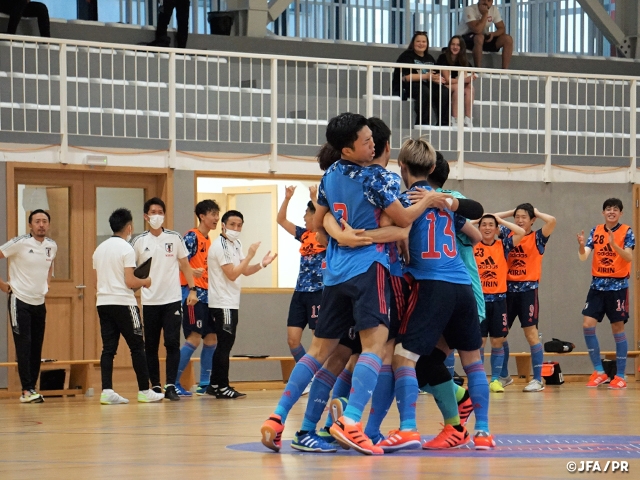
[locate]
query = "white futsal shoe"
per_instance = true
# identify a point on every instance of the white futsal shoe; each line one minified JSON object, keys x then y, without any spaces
{"x":109,"y":397}
{"x":149,"y":396}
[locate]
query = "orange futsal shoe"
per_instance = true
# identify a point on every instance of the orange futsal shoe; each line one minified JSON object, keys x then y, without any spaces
{"x":483,"y":440}
{"x":272,"y":433}
{"x":399,"y":440}
{"x":449,"y":437}
{"x":597,"y":379}
{"x":618,"y":383}
{"x":465,"y":407}
{"x":352,"y":436}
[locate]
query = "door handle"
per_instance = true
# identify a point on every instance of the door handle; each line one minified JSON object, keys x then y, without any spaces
{"x":81,"y":286}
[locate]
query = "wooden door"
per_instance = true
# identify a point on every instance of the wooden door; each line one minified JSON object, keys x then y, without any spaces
{"x":70,"y":194}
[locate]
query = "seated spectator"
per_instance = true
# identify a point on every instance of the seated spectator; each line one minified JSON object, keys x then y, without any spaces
{"x":474,"y":30}
{"x":455,"y":55}
{"x":425,"y":86}
{"x":16,"y":9}
{"x":165,"y":10}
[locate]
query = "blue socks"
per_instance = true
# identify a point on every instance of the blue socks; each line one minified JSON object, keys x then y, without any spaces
{"x":185,"y":355}
{"x":593,"y":348}
{"x":300,"y":377}
{"x":298,"y":352}
{"x":449,"y":362}
{"x":318,"y":396}
{"x":505,"y":363}
{"x":621,"y":353}
{"x":363,"y":383}
{"x":497,"y":359}
{"x":341,"y":389}
{"x":206,"y":363}
{"x":406,"y":397}
{"x":381,"y":400}
{"x":536,"y":360}
{"x":445,"y":397}
{"x":482,"y":354}
{"x":479,"y":393}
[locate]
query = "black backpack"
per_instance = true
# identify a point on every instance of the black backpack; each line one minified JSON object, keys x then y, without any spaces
{"x":558,"y":346}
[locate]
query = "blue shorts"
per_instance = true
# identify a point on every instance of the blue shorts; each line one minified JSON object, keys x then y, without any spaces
{"x":495,"y":323}
{"x":399,"y":298}
{"x":615,"y":303}
{"x":304,"y":309}
{"x":440,"y":309}
{"x":523,"y":305}
{"x":196,"y":318}
{"x":361,"y":302}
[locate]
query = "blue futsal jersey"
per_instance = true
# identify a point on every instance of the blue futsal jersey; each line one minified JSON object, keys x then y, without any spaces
{"x":433,"y":250}
{"x":359,"y":195}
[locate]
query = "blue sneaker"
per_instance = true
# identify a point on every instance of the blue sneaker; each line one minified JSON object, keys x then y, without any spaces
{"x":311,"y":442}
{"x":327,"y":437}
{"x":182,"y":392}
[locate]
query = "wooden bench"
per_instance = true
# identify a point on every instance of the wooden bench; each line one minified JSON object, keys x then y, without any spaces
{"x":78,"y":379}
{"x":188,"y":377}
{"x":525,"y":367}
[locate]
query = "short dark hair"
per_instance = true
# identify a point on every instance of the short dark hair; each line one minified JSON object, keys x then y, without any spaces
{"x":342,"y":131}
{"x":609,"y":202}
{"x":154,"y":201}
{"x":39,"y":210}
{"x":488,"y":216}
{"x":311,"y":206}
{"x":527,"y":207}
{"x":381,"y":135}
{"x":119,"y":219}
{"x":440,"y":173}
{"x":327,"y":156}
{"x":231,"y":213}
{"x":206,"y":206}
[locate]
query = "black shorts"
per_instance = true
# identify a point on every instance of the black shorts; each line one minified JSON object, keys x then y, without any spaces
{"x":523,"y":305}
{"x":304,"y":309}
{"x":196,"y":319}
{"x":361,"y":302}
{"x":495,"y":323}
{"x":352,"y":340}
{"x":399,"y":297}
{"x":224,"y":320}
{"x":614,"y":303}
{"x":440,"y":309}
{"x":486,"y":47}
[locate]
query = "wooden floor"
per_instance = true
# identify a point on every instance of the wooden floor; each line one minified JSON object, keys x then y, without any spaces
{"x":77,"y":438}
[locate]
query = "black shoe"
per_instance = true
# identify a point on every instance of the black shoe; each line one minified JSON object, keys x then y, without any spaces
{"x":211,"y":391}
{"x":229,"y":393}
{"x":171,"y":394}
{"x":157,"y":389}
{"x":160,"y":42}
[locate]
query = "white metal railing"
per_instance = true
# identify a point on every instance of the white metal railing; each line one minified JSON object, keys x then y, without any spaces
{"x":538,"y":26}
{"x":69,"y":87}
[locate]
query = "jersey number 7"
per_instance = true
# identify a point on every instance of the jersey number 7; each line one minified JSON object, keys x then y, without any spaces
{"x":449,"y":251}
{"x":341,"y":208}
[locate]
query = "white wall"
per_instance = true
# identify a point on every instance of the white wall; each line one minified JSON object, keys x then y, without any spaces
{"x":288,"y":255}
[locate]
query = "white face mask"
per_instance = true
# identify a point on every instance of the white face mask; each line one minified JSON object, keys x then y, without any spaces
{"x":156,"y":221}
{"x":128,"y":239}
{"x":232,"y":235}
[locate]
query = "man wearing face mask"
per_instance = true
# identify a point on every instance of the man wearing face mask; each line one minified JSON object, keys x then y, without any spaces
{"x":226,"y":262}
{"x":162,"y":303}
{"x":114,"y":262}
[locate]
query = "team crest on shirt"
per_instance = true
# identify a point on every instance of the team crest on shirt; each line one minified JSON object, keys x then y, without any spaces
{"x":48,"y":249}
{"x":168,"y":247}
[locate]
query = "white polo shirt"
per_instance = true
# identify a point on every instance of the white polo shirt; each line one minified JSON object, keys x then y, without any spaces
{"x":165,"y":249}
{"x":109,"y":261}
{"x":29,"y":264}
{"x":472,"y":14}
{"x":223,"y":293}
